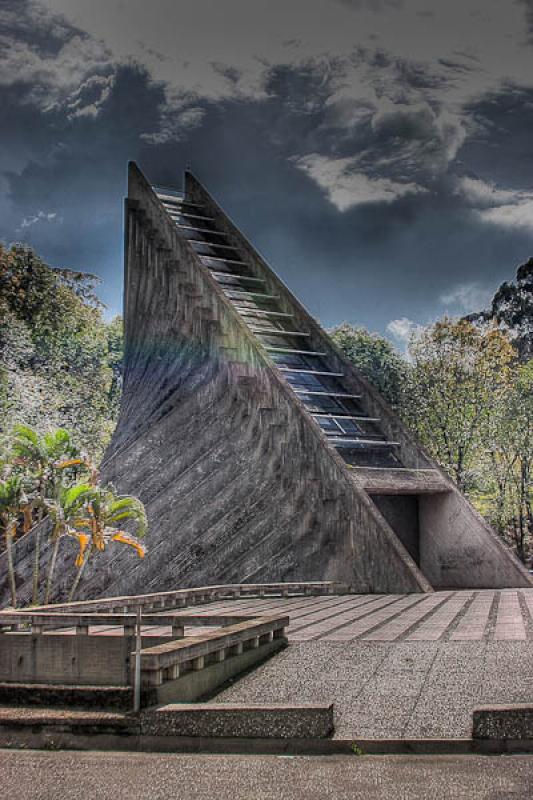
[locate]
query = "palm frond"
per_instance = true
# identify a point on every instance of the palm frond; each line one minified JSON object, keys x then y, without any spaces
{"x":125,"y":538}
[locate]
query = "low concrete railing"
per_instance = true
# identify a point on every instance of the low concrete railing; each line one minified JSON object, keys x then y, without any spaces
{"x":165,"y":662}
{"x":172,"y":666}
{"x":79,"y":656}
{"x":40,"y":621}
{"x":181,"y":598}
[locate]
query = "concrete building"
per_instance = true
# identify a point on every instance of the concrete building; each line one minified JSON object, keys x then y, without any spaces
{"x":259,"y":450}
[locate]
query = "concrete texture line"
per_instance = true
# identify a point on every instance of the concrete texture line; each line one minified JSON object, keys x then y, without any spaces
{"x":257,"y":604}
{"x":436,"y":626}
{"x":509,"y":622}
{"x":400,"y":625}
{"x":527,"y":597}
{"x":420,"y":693}
{"x":325,"y":607}
{"x":324,"y":630}
{"x":473,"y":625}
{"x":330,"y":613}
{"x":526,"y":602}
{"x":374,"y":620}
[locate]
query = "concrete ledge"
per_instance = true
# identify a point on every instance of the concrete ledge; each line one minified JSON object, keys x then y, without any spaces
{"x":503,"y":722}
{"x":232,"y":729}
{"x":118,"y":698}
{"x":101,"y":737}
{"x":309,"y":721}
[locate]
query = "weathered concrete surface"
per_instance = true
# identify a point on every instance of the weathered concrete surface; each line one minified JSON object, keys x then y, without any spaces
{"x":117,"y":698}
{"x":504,"y":722}
{"x":194,"y":685}
{"x":457,"y":548}
{"x":276,"y":721}
{"x":136,"y":776}
{"x":237,"y":479}
{"x":55,"y":658}
{"x":409,"y":690}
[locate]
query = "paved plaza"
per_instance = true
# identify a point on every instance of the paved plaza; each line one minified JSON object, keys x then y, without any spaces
{"x":462,"y":616}
{"x":410,"y":666}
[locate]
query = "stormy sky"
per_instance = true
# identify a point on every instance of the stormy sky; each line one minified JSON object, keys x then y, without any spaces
{"x":379,"y":153}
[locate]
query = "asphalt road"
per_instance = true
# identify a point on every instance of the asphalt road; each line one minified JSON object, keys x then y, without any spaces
{"x":38,"y":775}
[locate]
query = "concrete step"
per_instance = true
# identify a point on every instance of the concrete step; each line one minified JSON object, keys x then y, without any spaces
{"x":29,"y":695}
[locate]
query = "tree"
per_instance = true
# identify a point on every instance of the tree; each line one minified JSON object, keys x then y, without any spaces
{"x":459,"y":377}
{"x":507,"y":466}
{"x":60,"y":362}
{"x":104,"y":512}
{"x":12,"y":502}
{"x":512,"y":310}
{"x":375,"y":357}
{"x":43,"y":458}
{"x":64,"y":510}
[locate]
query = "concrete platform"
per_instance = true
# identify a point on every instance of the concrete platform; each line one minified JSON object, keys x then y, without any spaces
{"x":457,"y":616}
{"x":410,"y":667}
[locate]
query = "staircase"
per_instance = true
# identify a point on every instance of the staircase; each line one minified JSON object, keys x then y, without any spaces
{"x":323,"y":391}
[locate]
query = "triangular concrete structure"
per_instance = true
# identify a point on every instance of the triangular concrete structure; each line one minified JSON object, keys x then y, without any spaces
{"x":260,"y":452}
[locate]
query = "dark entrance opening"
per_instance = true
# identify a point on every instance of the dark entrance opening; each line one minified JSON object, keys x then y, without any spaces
{"x":401,"y":512}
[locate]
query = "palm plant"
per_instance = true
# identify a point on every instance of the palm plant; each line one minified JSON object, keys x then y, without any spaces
{"x":13,"y":502}
{"x":64,"y":510}
{"x":101,"y":524}
{"x":44,"y":458}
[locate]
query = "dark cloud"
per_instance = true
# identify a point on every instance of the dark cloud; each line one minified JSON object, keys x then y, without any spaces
{"x":278,"y":160}
{"x":499,"y":147}
{"x":75,"y":170}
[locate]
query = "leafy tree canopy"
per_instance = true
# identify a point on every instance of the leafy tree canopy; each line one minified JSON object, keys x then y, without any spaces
{"x":512,"y":310}
{"x":375,"y":357}
{"x":60,"y":361}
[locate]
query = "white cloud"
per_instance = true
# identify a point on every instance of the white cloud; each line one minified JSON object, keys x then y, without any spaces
{"x":346,"y":187}
{"x":519,"y":215}
{"x":508,"y":208}
{"x":467,"y":296}
{"x":404,"y":329}
{"x":482,"y":194}
{"x":406,"y":67}
{"x":421,"y":58}
{"x":41,"y":216}
{"x":470,"y":43}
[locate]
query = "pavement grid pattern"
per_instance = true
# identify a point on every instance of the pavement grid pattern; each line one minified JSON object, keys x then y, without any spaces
{"x":411,"y":666}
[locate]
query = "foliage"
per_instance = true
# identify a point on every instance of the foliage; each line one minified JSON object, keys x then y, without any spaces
{"x":13,"y":502}
{"x":60,"y":361}
{"x":506,"y":494}
{"x":512,"y":310}
{"x":43,"y":458}
{"x":375,"y":357}
{"x":104,"y":513}
{"x":43,"y":478}
{"x":459,"y":376}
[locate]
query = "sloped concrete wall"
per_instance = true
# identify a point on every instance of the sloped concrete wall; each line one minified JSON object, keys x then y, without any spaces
{"x":237,"y":484}
{"x":458,"y":549}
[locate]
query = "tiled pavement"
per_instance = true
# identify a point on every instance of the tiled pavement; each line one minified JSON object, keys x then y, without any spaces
{"x":462,"y":616}
{"x":411,"y":666}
